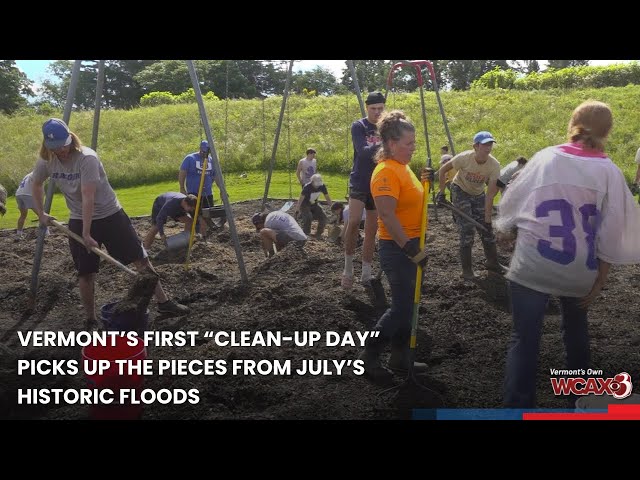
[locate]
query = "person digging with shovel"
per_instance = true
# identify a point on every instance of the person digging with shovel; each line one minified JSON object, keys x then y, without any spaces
{"x":94,"y":211}
{"x":177,"y":206}
{"x":398,"y":196}
{"x":476,"y":168}
{"x":276,"y":230}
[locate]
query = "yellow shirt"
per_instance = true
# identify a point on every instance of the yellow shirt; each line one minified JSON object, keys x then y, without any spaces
{"x":396,"y":180}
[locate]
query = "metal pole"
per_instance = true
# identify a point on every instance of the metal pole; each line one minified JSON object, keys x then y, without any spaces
{"x":356,"y":86}
{"x":73,"y":84}
{"x":96,"y":114}
{"x":432,"y":73}
{"x":275,"y":141}
{"x":426,"y":137}
{"x":216,"y":166}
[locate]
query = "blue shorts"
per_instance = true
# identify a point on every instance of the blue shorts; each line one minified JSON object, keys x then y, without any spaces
{"x":364,"y":197}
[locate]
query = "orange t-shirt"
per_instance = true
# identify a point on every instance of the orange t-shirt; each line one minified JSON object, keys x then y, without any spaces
{"x":398,"y":181}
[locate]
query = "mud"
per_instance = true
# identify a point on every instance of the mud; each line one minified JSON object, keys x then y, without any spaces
{"x":462,"y":334}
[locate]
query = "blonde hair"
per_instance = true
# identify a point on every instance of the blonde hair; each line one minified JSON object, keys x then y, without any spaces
{"x":76,"y":146}
{"x":391,"y":126}
{"x":590,"y":124}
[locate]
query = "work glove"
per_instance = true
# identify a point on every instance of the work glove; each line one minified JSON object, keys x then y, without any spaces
{"x":441,"y":197}
{"x":417,"y":256}
{"x":429,"y":174}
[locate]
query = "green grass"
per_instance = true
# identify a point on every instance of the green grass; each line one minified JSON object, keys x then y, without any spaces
{"x":137,"y":201}
{"x":144,"y":146}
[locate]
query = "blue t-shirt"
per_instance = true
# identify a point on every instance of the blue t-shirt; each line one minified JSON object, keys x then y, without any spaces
{"x":169,"y":205}
{"x":366,"y":142}
{"x":192,"y":164}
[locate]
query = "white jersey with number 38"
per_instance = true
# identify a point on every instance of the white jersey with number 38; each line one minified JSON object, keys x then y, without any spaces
{"x":571,"y":206}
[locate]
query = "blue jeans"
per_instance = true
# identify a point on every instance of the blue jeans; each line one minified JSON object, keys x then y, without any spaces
{"x":528,"y":308}
{"x":395,"y":323}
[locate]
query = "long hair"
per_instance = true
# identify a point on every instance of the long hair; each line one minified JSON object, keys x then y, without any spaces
{"x":590,"y":124}
{"x":76,"y":146}
{"x":391,"y":126}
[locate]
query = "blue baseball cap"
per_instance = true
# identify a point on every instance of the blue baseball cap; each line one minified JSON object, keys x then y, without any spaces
{"x":204,"y":146}
{"x":483,"y":137}
{"x":56,"y":134}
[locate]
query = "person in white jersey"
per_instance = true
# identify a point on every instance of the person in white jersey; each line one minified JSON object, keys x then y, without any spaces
{"x":574,"y":216}
{"x":307,"y":167}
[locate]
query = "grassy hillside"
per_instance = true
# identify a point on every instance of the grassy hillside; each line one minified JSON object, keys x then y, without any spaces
{"x":146,"y":145}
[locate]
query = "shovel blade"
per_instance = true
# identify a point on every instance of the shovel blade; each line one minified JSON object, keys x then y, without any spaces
{"x":286,"y":206}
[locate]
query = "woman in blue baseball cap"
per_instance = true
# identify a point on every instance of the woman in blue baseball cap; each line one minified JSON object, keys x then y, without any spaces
{"x":94,"y":212}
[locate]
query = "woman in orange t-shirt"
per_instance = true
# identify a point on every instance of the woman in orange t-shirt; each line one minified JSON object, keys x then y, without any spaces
{"x":398,"y":197}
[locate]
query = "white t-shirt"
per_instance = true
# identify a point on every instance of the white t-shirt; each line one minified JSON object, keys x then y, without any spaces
{"x":26,"y":185}
{"x":345,"y":215}
{"x":308,"y":169}
{"x":571,"y":206}
{"x":281,"y":221}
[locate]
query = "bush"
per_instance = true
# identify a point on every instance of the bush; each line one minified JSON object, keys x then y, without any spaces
{"x":154,"y":99}
{"x":619,"y":75}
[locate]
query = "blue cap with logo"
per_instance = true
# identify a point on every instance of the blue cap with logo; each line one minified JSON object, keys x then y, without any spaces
{"x":483,"y":137}
{"x":204,"y":146}
{"x":56,"y":134}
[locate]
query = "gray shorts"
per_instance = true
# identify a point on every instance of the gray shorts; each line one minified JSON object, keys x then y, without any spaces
{"x":25,"y":202}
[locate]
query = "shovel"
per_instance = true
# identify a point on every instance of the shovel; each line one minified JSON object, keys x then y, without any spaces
{"x":286,"y":206}
{"x":139,"y":294}
{"x":457,"y":211}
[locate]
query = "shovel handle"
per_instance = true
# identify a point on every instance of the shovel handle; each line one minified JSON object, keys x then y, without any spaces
{"x":95,"y":250}
{"x":457,"y":211}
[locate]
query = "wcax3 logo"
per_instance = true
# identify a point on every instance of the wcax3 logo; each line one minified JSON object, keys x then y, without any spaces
{"x":585,"y":382}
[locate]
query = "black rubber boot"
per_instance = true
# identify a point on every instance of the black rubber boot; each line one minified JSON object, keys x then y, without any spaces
{"x":373,"y":367}
{"x":467,"y":263}
{"x":491,"y":254}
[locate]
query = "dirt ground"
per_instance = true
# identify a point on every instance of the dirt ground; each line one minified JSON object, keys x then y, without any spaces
{"x":462,"y":335}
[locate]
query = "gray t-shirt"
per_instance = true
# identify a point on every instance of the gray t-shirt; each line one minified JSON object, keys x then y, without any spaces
{"x":281,"y":221}
{"x":84,"y":167}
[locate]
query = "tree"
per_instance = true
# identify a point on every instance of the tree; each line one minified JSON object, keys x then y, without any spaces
{"x":372,"y":75}
{"x":233,"y":78}
{"x":460,"y":74}
{"x":121,"y":90}
{"x":165,"y":76}
{"x":319,"y":79}
{"x":14,"y":87}
{"x":525,"y":66}
{"x":558,"y":64}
